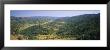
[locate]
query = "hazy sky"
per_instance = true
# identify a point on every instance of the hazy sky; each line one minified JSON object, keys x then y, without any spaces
{"x":54,"y":13}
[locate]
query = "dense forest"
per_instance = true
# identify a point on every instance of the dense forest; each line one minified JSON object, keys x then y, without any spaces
{"x":81,"y":27}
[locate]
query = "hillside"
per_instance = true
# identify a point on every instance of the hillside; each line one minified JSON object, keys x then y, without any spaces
{"x":81,"y":27}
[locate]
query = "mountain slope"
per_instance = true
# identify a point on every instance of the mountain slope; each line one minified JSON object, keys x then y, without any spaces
{"x":81,"y":27}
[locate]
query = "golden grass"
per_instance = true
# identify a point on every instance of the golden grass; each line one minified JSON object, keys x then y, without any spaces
{"x":42,"y":37}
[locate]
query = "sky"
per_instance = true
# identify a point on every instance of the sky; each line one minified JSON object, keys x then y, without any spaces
{"x":53,"y":13}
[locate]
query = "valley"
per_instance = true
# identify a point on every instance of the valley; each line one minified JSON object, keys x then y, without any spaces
{"x":82,"y":27}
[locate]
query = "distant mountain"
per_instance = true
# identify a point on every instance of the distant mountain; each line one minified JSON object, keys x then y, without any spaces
{"x":79,"y":18}
{"x":86,"y":26}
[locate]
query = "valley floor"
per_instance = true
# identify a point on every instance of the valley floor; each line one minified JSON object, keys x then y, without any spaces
{"x":50,"y":36}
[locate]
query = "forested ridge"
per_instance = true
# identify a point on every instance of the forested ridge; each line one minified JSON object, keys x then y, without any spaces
{"x":81,"y":27}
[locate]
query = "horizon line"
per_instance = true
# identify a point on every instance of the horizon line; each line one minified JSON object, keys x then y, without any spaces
{"x":51,"y":16}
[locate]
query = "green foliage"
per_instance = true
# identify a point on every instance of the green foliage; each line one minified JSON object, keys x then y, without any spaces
{"x":82,"y":27}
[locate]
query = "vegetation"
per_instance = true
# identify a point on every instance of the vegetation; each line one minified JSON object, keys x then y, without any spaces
{"x":81,"y":27}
